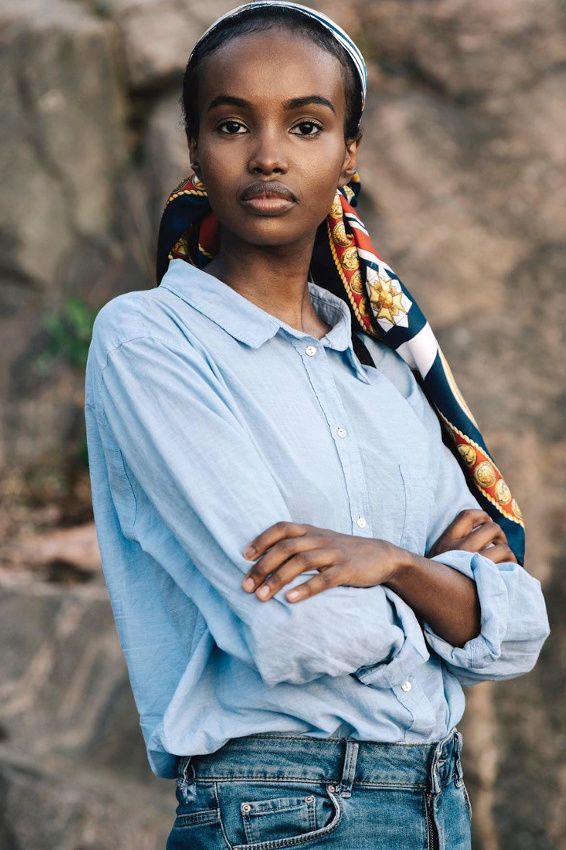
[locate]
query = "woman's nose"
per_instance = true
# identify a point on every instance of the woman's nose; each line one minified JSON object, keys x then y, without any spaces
{"x":268,"y":156}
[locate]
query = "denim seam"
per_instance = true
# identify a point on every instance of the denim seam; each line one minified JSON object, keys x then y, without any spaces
{"x":221,"y":822}
{"x":308,"y":780}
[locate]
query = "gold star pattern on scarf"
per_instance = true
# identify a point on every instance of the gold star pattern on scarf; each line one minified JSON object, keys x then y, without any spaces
{"x":386,"y":299}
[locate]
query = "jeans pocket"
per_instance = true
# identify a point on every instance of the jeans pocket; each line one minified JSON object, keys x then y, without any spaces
{"x":271,"y":815}
{"x":266,"y":820}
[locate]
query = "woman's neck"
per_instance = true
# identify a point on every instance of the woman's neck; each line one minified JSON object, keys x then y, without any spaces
{"x":274,"y":278}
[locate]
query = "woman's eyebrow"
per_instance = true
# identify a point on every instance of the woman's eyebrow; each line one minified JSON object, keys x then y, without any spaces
{"x":299,"y":102}
{"x":294,"y":103}
{"x":229,"y":100}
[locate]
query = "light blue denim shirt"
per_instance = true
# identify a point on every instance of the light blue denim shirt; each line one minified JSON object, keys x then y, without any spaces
{"x":208,"y":421}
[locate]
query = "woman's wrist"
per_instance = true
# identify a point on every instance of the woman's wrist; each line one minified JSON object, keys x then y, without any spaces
{"x":442,"y":597}
{"x":404,"y":567}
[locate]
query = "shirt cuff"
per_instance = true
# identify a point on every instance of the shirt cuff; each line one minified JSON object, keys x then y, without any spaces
{"x":484,"y":649}
{"x":407,"y":654}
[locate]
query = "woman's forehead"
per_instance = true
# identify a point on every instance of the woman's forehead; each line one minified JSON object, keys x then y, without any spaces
{"x":273,"y":64}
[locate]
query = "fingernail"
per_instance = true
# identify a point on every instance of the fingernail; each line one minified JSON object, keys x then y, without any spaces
{"x":248,"y":584}
{"x":293,"y":594}
{"x":263,"y":591}
{"x":249,"y":551}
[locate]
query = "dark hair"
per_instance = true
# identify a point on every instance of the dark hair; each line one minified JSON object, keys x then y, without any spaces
{"x":254,"y":20}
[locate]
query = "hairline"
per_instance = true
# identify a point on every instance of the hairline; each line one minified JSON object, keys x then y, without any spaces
{"x":348,"y":71}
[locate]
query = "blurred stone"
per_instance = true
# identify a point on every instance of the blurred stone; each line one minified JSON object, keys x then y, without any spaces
{"x":62,"y":141}
{"x":67,"y":810}
{"x":76,"y":547}
{"x":62,"y":147}
{"x":157,"y":41}
{"x":166,"y":151}
{"x":70,"y":735}
{"x":466,"y":48}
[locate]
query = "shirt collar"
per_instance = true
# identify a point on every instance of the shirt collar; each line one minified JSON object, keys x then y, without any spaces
{"x":248,"y":323}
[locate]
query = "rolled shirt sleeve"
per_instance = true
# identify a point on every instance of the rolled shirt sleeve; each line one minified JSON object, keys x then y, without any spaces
{"x":514,"y":623}
{"x":183,"y":447}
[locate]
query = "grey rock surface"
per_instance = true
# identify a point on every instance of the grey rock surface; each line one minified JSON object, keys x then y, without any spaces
{"x":62,"y":145}
{"x":73,"y":771}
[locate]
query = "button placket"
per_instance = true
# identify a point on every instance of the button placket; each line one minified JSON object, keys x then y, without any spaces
{"x":326,"y":391}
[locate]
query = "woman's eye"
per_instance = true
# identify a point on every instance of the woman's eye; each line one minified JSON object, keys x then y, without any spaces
{"x":232,"y":128}
{"x":307,"y":128}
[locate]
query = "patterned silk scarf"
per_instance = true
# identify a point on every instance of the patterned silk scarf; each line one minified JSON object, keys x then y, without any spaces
{"x":345,"y":262}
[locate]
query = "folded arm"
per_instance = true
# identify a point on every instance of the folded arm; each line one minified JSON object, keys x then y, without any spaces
{"x":193,"y":458}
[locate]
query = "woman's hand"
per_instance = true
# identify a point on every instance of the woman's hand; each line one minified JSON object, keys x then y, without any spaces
{"x":287,"y":549}
{"x":474,"y":531}
{"x":438,"y":594}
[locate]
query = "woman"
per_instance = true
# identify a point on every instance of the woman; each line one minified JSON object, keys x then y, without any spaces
{"x":237,"y":441}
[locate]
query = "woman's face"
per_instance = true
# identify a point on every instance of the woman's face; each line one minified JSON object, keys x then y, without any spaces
{"x":271,"y":149}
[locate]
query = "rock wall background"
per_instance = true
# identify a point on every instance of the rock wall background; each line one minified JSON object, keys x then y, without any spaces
{"x":463,"y":165}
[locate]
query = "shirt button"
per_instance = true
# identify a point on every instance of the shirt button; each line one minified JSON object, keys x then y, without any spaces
{"x":341,"y":432}
{"x":406,"y":686}
{"x":361,"y":522}
{"x":310,"y":350}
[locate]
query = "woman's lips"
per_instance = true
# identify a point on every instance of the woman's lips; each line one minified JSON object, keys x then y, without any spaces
{"x":264,"y":198}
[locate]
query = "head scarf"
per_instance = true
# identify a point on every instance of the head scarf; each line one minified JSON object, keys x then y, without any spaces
{"x":345,"y":262}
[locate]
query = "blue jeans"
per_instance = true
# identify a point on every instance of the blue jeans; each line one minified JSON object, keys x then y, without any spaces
{"x":270,"y":791}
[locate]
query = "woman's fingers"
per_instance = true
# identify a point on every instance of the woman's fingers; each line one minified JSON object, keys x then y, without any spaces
{"x":465,"y":522}
{"x":329,"y":577}
{"x":285,"y":540}
{"x":483,"y":536}
{"x":471,"y":531}
{"x":312,"y":559}
{"x":499,"y":553}
{"x":272,"y":535}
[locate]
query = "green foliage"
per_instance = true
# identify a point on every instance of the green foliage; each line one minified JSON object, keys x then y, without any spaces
{"x":102,"y":9}
{"x":68,"y":335}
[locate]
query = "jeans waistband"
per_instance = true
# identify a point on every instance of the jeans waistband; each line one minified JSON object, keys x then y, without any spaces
{"x":341,"y":761}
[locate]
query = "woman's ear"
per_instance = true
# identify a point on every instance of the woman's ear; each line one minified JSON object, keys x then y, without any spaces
{"x":193,"y":153}
{"x":349,"y":164}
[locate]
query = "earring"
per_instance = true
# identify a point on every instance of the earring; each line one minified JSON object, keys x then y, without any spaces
{"x":197,"y":182}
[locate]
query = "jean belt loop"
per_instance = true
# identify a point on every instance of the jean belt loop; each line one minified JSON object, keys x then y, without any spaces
{"x":185,"y":783}
{"x":436,"y":765}
{"x":349,"y":771}
{"x":458,"y":758}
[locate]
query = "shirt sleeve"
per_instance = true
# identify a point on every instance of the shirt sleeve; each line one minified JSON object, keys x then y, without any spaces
{"x":192,"y":456}
{"x":514,"y":622}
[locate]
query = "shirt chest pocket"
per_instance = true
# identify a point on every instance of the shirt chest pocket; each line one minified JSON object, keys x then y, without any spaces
{"x":401,"y":502}
{"x":418,"y":505}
